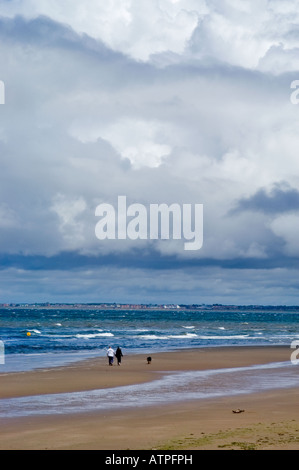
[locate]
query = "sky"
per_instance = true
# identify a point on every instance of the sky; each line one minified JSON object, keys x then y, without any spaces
{"x":161,"y":101}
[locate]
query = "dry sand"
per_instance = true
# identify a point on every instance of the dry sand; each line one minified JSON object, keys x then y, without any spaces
{"x":270,"y":419}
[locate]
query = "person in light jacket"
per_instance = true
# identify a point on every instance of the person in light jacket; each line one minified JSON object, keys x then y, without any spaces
{"x":110,"y":355}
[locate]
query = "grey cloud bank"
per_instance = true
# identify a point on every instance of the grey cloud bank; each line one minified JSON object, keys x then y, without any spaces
{"x":104,"y":104}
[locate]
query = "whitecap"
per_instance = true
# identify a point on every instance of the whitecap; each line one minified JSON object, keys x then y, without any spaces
{"x":185,"y":336}
{"x":224,"y":337}
{"x":94,"y":335}
{"x":153,"y":337}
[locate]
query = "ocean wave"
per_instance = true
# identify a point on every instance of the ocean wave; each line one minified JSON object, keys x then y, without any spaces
{"x":224,"y":337}
{"x":183,"y":336}
{"x":93,"y":335}
{"x":152,"y":337}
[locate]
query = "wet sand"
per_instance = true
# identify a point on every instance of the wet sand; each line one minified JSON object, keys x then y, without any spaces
{"x":270,"y":420}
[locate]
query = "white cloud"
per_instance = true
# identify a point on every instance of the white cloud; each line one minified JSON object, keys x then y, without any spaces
{"x":142,"y":142}
{"x":8,"y":217}
{"x":287,"y":227}
{"x":280,"y":59}
{"x":69,"y":212}
{"x":82,"y":125}
{"x":252,"y":34}
{"x":98,"y":128}
{"x":138,"y":28}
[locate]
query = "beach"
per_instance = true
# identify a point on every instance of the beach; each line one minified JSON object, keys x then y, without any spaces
{"x":269,"y":418}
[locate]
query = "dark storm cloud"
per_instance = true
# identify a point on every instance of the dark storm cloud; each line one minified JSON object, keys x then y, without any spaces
{"x":279,"y":199}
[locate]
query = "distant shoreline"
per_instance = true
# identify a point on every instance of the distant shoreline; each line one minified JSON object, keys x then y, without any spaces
{"x":120,"y":306}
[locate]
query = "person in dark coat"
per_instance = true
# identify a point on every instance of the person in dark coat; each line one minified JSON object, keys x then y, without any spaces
{"x":118,"y":355}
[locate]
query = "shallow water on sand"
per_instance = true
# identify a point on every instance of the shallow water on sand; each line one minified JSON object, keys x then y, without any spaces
{"x":171,"y":388}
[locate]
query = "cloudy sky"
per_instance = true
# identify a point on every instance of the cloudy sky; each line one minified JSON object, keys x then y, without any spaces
{"x":163,"y":101}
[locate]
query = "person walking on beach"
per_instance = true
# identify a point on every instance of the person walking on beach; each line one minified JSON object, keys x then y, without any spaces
{"x":110,"y":354}
{"x":118,"y":355}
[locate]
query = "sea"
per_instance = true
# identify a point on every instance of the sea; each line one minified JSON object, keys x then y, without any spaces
{"x":44,"y":337}
{"x":38,"y":338}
